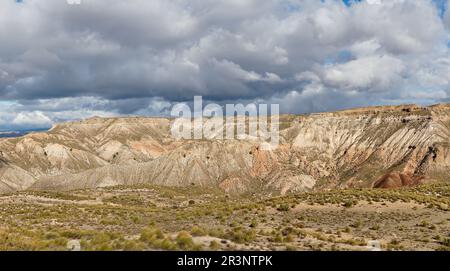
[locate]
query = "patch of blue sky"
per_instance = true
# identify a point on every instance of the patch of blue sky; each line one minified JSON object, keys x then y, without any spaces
{"x":348,"y":3}
{"x":341,"y":57}
{"x":4,"y":103}
{"x":290,"y":6}
{"x":442,"y":6}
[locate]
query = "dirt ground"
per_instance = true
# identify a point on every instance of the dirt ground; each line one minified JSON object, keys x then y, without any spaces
{"x":195,"y":218}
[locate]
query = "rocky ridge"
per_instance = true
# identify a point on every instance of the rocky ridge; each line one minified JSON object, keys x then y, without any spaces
{"x":383,"y":147}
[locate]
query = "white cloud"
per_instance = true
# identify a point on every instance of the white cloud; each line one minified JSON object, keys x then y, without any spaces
{"x":113,"y":57}
{"x":31,"y":119}
{"x":367,"y":73}
{"x":365,"y":48}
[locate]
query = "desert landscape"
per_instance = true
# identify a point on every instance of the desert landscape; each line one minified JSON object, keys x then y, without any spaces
{"x":374,"y":178}
{"x":223,"y":134}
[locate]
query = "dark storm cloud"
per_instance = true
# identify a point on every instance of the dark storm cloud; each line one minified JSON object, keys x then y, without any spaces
{"x":111,"y":57}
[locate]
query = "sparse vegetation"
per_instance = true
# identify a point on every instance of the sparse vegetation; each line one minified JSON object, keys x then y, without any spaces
{"x":144,"y":218}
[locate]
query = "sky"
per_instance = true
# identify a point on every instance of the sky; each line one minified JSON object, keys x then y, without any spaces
{"x":61,"y":62}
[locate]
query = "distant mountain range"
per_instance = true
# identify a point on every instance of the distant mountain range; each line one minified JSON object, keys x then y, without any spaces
{"x":9,"y":134}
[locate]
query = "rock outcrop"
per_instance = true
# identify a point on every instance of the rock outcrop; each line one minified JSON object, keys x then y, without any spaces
{"x":379,"y":147}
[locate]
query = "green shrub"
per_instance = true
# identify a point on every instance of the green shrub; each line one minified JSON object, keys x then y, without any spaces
{"x":283,"y":207}
{"x":150,"y":235}
{"x":184,"y":240}
{"x":240,"y":235}
{"x":198,"y":231}
{"x":214,"y":245}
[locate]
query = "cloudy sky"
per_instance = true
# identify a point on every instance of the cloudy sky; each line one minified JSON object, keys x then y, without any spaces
{"x":138,"y":57}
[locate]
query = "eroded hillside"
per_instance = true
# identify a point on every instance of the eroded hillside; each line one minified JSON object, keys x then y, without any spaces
{"x":379,"y":146}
